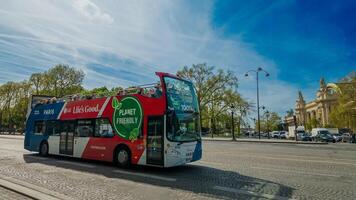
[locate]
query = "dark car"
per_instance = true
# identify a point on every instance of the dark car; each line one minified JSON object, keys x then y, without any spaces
{"x":205,"y":131}
{"x":304,"y":137}
{"x":337,"y":137}
{"x":324,"y":137}
{"x":353,"y":138}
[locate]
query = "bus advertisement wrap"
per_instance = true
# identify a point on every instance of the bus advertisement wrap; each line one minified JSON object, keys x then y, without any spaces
{"x":127,"y":117}
{"x":128,"y":128}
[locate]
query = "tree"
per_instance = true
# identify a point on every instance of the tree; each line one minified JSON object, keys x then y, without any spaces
{"x":240,"y":106}
{"x":313,"y":123}
{"x":102,"y":91}
{"x":290,"y":113}
{"x":59,"y":81}
{"x":211,"y":86}
{"x":65,"y":80}
{"x":273,"y":123}
{"x":343,"y":114}
{"x":13,"y":103}
{"x":36,"y":81}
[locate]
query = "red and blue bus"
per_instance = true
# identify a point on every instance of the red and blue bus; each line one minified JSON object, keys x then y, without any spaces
{"x":156,"y":126}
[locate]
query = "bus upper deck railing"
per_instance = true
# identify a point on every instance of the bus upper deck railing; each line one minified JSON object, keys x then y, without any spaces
{"x":153,"y":90}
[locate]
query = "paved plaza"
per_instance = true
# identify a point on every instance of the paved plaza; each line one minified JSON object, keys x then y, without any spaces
{"x":228,"y":170}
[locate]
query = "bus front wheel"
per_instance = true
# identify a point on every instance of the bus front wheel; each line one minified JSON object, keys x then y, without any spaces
{"x":123,"y":157}
{"x":44,"y":149}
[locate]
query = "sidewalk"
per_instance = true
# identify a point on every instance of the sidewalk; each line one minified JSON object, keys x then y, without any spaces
{"x":256,"y":140}
{"x":25,"y":190}
{"x":10,"y":194}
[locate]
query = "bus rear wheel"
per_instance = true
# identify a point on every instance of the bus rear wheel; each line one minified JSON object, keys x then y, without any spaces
{"x":123,"y":157}
{"x":44,"y":149}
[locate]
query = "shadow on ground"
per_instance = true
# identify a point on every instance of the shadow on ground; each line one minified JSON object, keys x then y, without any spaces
{"x":198,"y":179}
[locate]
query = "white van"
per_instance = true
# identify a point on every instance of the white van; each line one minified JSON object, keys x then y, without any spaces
{"x":292,"y":131}
{"x":315,"y":131}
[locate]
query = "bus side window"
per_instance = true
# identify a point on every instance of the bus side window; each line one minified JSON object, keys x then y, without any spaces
{"x":50,"y":127}
{"x":85,"y":128}
{"x":53,"y":127}
{"x":39,"y":128}
{"x":103,"y":128}
{"x":58,"y":128}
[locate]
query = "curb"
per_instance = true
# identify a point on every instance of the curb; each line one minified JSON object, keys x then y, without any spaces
{"x":271,"y":142}
{"x":12,"y":138}
{"x":5,"y":134}
{"x":30,"y":190}
{"x":15,"y":137}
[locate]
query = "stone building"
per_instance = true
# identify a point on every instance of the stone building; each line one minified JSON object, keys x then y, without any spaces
{"x":319,"y":108}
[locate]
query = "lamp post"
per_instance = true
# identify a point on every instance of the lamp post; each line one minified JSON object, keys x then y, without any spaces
{"x":257,"y":71}
{"x":267,"y":115}
{"x":254,"y":123}
{"x":232,"y":122}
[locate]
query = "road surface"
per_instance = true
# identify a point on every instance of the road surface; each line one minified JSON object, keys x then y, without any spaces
{"x":228,"y":170}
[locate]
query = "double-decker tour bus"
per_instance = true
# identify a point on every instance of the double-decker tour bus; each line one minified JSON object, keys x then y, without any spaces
{"x":156,"y":124}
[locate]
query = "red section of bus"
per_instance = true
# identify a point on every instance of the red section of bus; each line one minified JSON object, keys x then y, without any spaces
{"x":103,"y":148}
{"x":82,"y":109}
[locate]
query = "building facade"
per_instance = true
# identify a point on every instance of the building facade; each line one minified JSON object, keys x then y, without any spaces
{"x":317,"y":110}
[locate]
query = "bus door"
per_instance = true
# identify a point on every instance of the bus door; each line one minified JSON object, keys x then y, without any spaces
{"x":155,"y":140}
{"x":67,"y":138}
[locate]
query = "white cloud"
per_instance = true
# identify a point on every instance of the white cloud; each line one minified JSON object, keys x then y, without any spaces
{"x":92,"y":11}
{"x":139,"y":36}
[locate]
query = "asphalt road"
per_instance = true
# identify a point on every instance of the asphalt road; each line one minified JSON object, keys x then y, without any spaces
{"x":228,"y":170}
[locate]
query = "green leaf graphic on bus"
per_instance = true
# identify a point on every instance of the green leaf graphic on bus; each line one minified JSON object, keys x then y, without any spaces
{"x":115,"y":103}
{"x":127,"y":117}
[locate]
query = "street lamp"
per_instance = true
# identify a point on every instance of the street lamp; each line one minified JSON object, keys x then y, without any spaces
{"x":257,"y":71}
{"x":267,"y":115}
{"x":232,"y":122}
{"x":254,"y":123}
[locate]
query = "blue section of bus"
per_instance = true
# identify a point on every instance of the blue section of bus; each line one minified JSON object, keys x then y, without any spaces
{"x":40,"y":113}
{"x":197,"y":154}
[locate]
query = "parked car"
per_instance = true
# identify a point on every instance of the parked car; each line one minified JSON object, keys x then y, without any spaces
{"x":345,"y":130}
{"x":304,"y":137}
{"x":283,"y":135}
{"x":324,"y":136}
{"x":275,"y":134}
{"x":205,"y":131}
{"x":346,"y":137}
{"x":337,"y":137}
{"x":353,"y":138}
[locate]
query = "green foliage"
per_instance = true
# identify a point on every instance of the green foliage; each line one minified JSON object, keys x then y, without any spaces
{"x":313,"y":123}
{"x":13,"y":103}
{"x":58,"y":81}
{"x":343,"y":115}
{"x":329,"y":126}
{"x":101,"y":92}
{"x":290,"y":112}
{"x":308,"y":127}
{"x":217,"y":94}
{"x":271,"y":122}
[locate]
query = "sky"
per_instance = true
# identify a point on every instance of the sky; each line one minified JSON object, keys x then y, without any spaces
{"x":122,"y":43}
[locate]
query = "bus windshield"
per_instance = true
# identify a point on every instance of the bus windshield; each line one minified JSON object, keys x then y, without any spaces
{"x":183,"y":112}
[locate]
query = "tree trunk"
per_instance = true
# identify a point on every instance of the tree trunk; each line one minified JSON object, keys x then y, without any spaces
{"x":239,"y":127}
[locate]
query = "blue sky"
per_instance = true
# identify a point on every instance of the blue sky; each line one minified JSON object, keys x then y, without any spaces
{"x":123,"y":42}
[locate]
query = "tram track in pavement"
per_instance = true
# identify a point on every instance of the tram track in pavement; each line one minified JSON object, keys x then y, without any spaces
{"x":30,"y":191}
